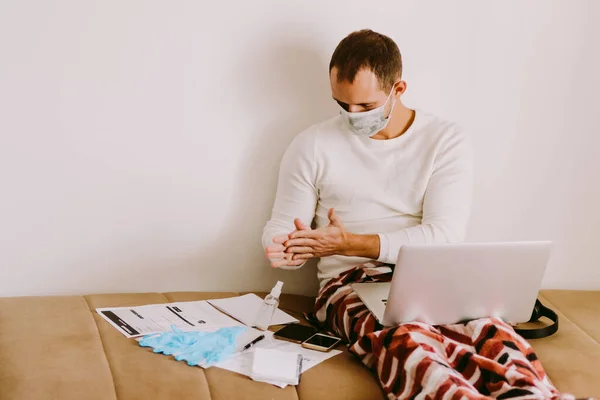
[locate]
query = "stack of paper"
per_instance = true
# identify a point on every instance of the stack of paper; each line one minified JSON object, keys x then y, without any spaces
{"x":242,"y":362}
{"x":156,"y":318}
{"x":244,"y":309}
{"x":280,"y":366}
{"x":276,"y":366}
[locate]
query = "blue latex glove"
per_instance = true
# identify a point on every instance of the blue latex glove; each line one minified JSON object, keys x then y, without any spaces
{"x":197,"y":348}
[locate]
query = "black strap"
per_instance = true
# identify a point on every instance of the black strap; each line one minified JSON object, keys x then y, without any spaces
{"x":540,"y":311}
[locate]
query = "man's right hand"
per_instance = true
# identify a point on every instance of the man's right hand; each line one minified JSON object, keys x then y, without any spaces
{"x":277,"y":254}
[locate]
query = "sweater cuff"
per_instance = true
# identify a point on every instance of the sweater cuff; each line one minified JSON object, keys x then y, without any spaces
{"x":291,"y":268}
{"x":390,"y":244}
{"x":384,"y":248}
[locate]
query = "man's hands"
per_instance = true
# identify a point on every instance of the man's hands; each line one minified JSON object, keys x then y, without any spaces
{"x":278,"y":253}
{"x":305,"y":243}
{"x":331,"y":240}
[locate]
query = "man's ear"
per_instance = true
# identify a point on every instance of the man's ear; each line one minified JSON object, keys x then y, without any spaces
{"x":399,"y":88}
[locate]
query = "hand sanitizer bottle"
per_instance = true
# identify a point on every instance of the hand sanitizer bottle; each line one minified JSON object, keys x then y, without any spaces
{"x":268,"y":307}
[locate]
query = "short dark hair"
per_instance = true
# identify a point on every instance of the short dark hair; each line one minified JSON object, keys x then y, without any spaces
{"x":366,"y":49}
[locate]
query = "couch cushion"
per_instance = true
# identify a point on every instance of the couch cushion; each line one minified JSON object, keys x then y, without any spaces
{"x":50,"y":348}
{"x":580,"y":307}
{"x":571,"y":355}
{"x":340,"y":377}
{"x":59,"y":348}
{"x":138,"y":373}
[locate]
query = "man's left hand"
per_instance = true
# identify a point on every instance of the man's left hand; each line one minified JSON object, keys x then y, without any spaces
{"x":277,"y":253}
{"x":328,"y":241}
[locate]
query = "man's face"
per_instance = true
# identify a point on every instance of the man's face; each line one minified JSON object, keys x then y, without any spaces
{"x":363,"y":94}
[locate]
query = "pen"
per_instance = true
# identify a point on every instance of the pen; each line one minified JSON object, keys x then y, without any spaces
{"x":258,"y":339}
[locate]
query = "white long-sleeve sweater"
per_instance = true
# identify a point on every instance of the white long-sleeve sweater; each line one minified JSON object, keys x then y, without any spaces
{"x":416,"y":188}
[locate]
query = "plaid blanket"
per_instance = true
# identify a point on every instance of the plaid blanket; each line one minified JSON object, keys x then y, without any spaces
{"x":479,"y":359}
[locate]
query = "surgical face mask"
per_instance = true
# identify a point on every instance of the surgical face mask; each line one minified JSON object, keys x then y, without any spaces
{"x":368,"y":123}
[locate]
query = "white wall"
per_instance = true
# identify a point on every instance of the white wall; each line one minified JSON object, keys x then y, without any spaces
{"x":140,"y":140}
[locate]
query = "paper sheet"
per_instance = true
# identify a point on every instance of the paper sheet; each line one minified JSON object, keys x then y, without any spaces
{"x":242,"y":362}
{"x":155,"y":318}
{"x":244,"y":309}
{"x":276,"y":365}
{"x":310,"y":358}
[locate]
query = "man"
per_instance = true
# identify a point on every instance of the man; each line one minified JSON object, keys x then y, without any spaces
{"x":390,"y":174}
{"x":376,"y":177}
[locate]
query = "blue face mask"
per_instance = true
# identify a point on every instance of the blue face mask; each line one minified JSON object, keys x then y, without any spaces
{"x":197,"y":348}
{"x":368,"y":123}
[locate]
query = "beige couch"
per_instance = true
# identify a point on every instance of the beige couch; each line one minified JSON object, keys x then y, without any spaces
{"x":58,"y":348}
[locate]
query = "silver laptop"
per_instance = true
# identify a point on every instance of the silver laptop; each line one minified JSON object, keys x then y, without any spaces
{"x":449,"y":283}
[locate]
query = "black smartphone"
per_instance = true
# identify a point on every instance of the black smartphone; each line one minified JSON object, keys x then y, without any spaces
{"x":295,"y":333}
{"x":321,"y":342}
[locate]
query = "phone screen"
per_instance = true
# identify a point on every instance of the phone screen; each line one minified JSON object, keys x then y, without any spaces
{"x":295,"y":332}
{"x":322,"y":340}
